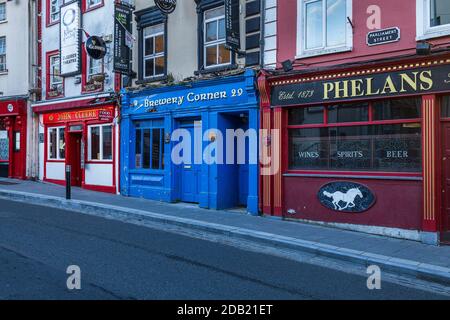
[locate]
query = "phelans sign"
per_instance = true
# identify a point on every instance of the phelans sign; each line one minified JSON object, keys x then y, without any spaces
{"x":387,"y":84}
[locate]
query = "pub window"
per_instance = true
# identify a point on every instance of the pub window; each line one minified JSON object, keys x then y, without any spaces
{"x":2,"y":12}
{"x":56,"y":144}
{"x":154,"y":51}
{"x":323,"y":27}
{"x":149,"y":147}
{"x":379,"y":138}
{"x":54,"y":6}
{"x":100,"y":143}
{"x":433,"y":18}
{"x":445,"y":107}
{"x":215,"y":53}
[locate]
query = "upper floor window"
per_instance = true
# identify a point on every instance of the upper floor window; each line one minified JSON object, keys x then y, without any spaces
{"x":90,"y":4}
{"x":154,"y":51}
{"x":2,"y":54}
{"x":433,"y":18}
{"x":95,"y":67}
{"x":323,"y":27}
{"x":55,"y":81}
{"x":2,"y":12}
{"x":215,"y":52}
{"x":53,"y":10}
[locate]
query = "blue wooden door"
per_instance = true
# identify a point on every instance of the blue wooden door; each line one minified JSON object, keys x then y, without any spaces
{"x":190,"y":176}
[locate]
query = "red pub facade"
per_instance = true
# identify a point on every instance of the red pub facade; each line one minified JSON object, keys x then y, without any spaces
{"x":360,"y":105}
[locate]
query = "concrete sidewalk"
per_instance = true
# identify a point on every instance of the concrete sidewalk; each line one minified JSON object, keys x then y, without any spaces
{"x":396,"y":255}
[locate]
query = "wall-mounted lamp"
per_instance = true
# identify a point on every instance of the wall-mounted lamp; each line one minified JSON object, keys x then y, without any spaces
{"x":423,"y":48}
{"x":167,"y":137}
{"x":287,"y":65}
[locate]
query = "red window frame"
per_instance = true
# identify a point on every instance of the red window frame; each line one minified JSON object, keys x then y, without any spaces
{"x":326,"y":124}
{"x":84,"y":6}
{"x":49,"y":23}
{"x":48,"y":55}
{"x":84,"y":68}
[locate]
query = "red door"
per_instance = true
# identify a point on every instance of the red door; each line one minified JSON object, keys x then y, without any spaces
{"x":74,"y":157}
{"x":446,"y":182}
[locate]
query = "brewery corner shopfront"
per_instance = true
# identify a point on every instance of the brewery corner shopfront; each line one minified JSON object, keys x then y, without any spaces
{"x":365,"y":148}
{"x":81,"y":133}
{"x":190,"y":121}
{"x":13,"y":138}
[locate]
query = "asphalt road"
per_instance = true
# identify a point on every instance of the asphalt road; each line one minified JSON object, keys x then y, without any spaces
{"x":124,"y":261}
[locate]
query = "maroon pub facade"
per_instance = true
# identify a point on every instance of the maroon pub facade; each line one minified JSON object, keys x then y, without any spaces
{"x":363,"y":117}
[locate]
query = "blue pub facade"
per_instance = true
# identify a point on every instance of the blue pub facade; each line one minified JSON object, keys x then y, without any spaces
{"x":174,"y":144}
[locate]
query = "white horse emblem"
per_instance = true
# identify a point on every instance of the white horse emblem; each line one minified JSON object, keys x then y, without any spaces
{"x":348,"y":198}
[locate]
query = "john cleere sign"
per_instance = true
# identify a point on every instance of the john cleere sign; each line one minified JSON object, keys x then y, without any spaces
{"x":387,"y":84}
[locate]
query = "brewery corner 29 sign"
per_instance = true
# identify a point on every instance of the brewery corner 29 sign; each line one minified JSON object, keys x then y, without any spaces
{"x":402,"y":81}
{"x":70,"y":38}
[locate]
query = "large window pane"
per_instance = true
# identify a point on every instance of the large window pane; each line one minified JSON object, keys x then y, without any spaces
{"x":159,"y":66}
{"x":314,"y":25}
{"x":224,"y":55}
{"x":445,"y":107}
{"x":62,"y":143}
{"x":336,"y":22}
{"x":309,"y":115}
{"x":146,"y":149}
{"x":156,"y":148}
{"x":149,"y":67}
{"x":107,"y":143}
{"x":348,"y":113}
{"x":211,"y":55}
{"x":211,"y":31}
{"x":397,"y":109}
{"x":95,"y":143}
{"x":52,"y":144}
{"x":440,"y":12}
{"x":308,"y":148}
{"x":138,"y":149}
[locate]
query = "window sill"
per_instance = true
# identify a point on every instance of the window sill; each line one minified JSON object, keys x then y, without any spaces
{"x":152,"y":80}
{"x":49,"y":24}
{"x":94,"y":7}
{"x":430,"y":34}
{"x":366,"y":176}
{"x":3,"y":72}
{"x":3,"y":21}
{"x":227,"y":67}
{"x":324,"y":52}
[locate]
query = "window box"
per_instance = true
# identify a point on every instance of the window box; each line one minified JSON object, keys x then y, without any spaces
{"x":323,"y":27}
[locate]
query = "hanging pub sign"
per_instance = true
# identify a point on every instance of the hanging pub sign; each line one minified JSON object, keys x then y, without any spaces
{"x":368,"y":84}
{"x":70,"y":38}
{"x":122,"y":27}
{"x":96,"y":47}
{"x":166,"y":6}
{"x":346,"y":196}
{"x":233,"y":39}
{"x":383,"y":36}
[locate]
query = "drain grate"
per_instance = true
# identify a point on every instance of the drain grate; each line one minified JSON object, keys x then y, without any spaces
{"x":5,"y":183}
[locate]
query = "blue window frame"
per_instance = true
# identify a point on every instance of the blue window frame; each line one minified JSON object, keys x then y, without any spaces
{"x":149,"y":145}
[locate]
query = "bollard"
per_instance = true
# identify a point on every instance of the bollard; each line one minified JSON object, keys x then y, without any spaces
{"x":68,"y":189}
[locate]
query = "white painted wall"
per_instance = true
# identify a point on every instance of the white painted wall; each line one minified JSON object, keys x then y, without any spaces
{"x":56,"y":170}
{"x":16,"y":29}
{"x":99,"y":22}
{"x":99,"y":174}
